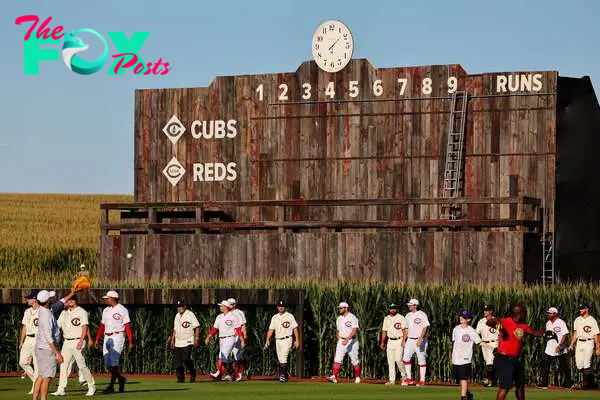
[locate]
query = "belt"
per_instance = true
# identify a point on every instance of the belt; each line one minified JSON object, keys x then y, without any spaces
{"x":584,"y":340}
{"x":414,"y":338}
{"x":113,"y":333}
{"x":71,"y":338}
{"x":285,"y":337}
{"x":489,"y":341}
{"x":394,"y":338}
{"x":224,"y":337}
{"x":32,"y":335}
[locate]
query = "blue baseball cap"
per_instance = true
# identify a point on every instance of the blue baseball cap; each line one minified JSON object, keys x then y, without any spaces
{"x":584,"y":305}
{"x":466,"y":314}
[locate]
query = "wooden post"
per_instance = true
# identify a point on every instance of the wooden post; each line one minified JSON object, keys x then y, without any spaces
{"x":151,"y":219}
{"x":199,"y":218}
{"x":104,"y":221}
{"x":300,"y":320}
{"x":281,"y":218}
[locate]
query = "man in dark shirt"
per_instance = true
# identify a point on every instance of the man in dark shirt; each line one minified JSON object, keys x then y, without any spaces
{"x":508,"y":363}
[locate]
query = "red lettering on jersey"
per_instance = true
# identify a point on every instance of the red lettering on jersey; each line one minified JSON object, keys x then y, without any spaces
{"x":418,"y":321}
{"x":348,"y":324}
{"x":466,"y":338}
{"x":557,"y":329}
{"x":228,"y":322}
{"x":117,"y":316}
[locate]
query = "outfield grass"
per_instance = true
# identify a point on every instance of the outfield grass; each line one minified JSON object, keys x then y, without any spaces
{"x":137,"y":388}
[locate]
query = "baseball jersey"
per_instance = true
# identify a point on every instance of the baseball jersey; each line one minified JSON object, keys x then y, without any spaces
{"x":184,"y":325}
{"x":560,"y":328}
{"x":487,"y":333}
{"x":462,"y":350}
{"x":72,"y":321}
{"x":393,"y":326}
{"x":240,"y":316}
{"x":47,"y":329}
{"x":416,"y":322}
{"x":345,"y":324}
{"x":30,"y":321}
{"x":283,"y":324}
{"x":115,"y":318}
{"x":226,"y":324}
{"x":586,"y":328}
{"x":511,"y":341}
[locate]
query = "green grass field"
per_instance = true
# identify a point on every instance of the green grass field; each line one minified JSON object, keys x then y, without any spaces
{"x":137,"y":388}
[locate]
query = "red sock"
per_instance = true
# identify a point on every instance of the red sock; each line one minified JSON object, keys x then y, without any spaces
{"x":220,"y":367}
{"x":234,"y":367}
{"x":336,"y":369}
{"x":240,"y":367}
{"x":357,"y":370}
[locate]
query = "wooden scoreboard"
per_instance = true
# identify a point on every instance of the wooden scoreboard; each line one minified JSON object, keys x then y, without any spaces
{"x":342,"y":170}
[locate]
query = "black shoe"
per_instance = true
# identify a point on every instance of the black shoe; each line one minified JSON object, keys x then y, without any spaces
{"x":122,"y":385}
{"x":109,"y":390}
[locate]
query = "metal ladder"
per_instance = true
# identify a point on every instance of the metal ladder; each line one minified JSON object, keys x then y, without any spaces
{"x":453,"y":172}
{"x":548,"y":276}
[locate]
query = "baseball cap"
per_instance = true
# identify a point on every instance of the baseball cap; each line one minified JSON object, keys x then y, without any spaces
{"x":584,"y":305}
{"x":179,"y":302}
{"x":343,"y":304}
{"x":225,"y":303}
{"x":487,"y":307}
{"x":466,"y":314}
{"x":111,"y":293}
{"x":281,"y":303}
{"x":32,"y":295}
{"x":413,"y":302}
{"x":393,"y":305}
{"x":552,"y":310}
{"x":44,"y":295}
{"x":231,"y":301}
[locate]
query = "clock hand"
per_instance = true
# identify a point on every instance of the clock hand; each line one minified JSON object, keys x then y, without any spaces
{"x":334,"y":44}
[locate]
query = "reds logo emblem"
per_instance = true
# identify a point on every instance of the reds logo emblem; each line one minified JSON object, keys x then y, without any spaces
{"x":186,"y":324}
{"x":398,"y":325}
{"x":587,"y":329}
{"x":492,"y":330}
{"x":229,"y":322}
{"x":466,"y":338}
{"x":418,"y":321}
{"x":348,"y":324}
{"x":75,"y":322}
{"x":519,"y":333}
{"x":286,"y":324}
{"x":557,"y":329}
{"x":35,"y":322}
{"x":117,"y":316}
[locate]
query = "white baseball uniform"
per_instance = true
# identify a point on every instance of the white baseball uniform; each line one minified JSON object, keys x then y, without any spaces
{"x":560,"y":328}
{"x":27,"y":356}
{"x":488,"y":335}
{"x":344,"y":325}
{"x":237,"y":346}
{"x":393,"y":327}
{"x":283,"y":325}
{"x":587,"y":329}
{"x":416,"y":322}
{"x":72,"y":322}
{"x":462,"y":349}
{"x":114,"y":319}
{"x":226,"y":324}
{"x":184,"y":325}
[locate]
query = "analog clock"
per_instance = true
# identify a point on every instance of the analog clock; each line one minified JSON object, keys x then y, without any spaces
{"x":332,"y":46}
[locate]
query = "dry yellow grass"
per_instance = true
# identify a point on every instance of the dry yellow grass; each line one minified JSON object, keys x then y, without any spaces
{"x":52,"y":220}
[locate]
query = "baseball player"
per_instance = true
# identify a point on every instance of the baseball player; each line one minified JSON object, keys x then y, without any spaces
{"x":489,"y":336}
{"x":393,"y":329}
{"x":416,"y":341}
{"x":285,"y":327}
{"x":556,"y":349}
{"x":75,"y":326}
{"x":463,"y":338}
{"x":27,"y":359}
{"x":112,"y":329}
{"x":585,"y":334}
{"x":185,"y":338}
{"x":238,"y":353}
{"x":46,"y":349}
{"x":347,"y":342}
{"x":229,"y":328}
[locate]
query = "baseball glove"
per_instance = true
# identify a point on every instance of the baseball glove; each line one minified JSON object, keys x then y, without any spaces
{"x":81,"y":283}
{"x":549,"y":335}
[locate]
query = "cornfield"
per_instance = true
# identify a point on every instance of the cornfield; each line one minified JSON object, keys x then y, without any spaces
{"x":152,"y":326}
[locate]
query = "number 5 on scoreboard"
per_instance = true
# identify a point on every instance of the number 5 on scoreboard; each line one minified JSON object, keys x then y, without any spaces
{"x":402,"y":82}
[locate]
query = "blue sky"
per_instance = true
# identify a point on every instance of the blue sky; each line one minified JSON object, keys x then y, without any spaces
{"x":69,"y":133}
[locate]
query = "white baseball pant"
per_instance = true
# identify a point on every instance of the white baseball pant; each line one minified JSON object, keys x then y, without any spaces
{"x":237,"y":349}
{"x":112,"y":349}
{"x":71,"y":354}
{"x":488,"y":354}
{"x":583,"y":353}
{"x":226,"y":344}
{"x":395,"y":351}
{"x":27,"y":358}
{"x":351,"y":348}
{"x":411,"y":348}
{"x":283,"y":347}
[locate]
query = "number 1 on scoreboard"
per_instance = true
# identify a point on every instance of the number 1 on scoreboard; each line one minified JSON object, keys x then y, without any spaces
{"x":259,"y":90}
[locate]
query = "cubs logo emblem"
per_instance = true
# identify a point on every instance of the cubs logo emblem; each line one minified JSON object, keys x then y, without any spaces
{"x":493,"y":330}
{"x":418,"y":321}
{"x":348,"y":324}
{"x":286,"y":324}
{"x":186,"y":324}
{"x":75,"y":322}
{"x":557,"y":329}
{"x":398,"y":325}
{"x":466,"y":338}
{"x":117,"y":316}
{"x":519,"y":333}
{"x":229,"y":322}
{"x":35,"y":322}
{"x":587,"y":329}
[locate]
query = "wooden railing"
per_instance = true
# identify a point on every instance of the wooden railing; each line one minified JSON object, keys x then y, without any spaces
{"x":211,"y":216}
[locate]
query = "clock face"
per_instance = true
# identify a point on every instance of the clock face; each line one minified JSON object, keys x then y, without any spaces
{"x":332,"y":46}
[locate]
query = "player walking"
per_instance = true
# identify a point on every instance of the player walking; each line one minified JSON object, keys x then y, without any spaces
{"x":585,"y":333}
{"x":489,"y":336}
{"x":556,"y":349}
{"x":74,"y":324}
{"x":508,"y":363}
{"x":347,"y":342}
{"x":185,"y":338}
{"x":27,"y":359}
{"x":416,"y":341}
{"x":464,"y":336}
{"x":115,"y":324}
{"x":394,"y":329}
{"x":285,"y":327}
{"x":229,"y":328}
{"x":238,"y":347}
